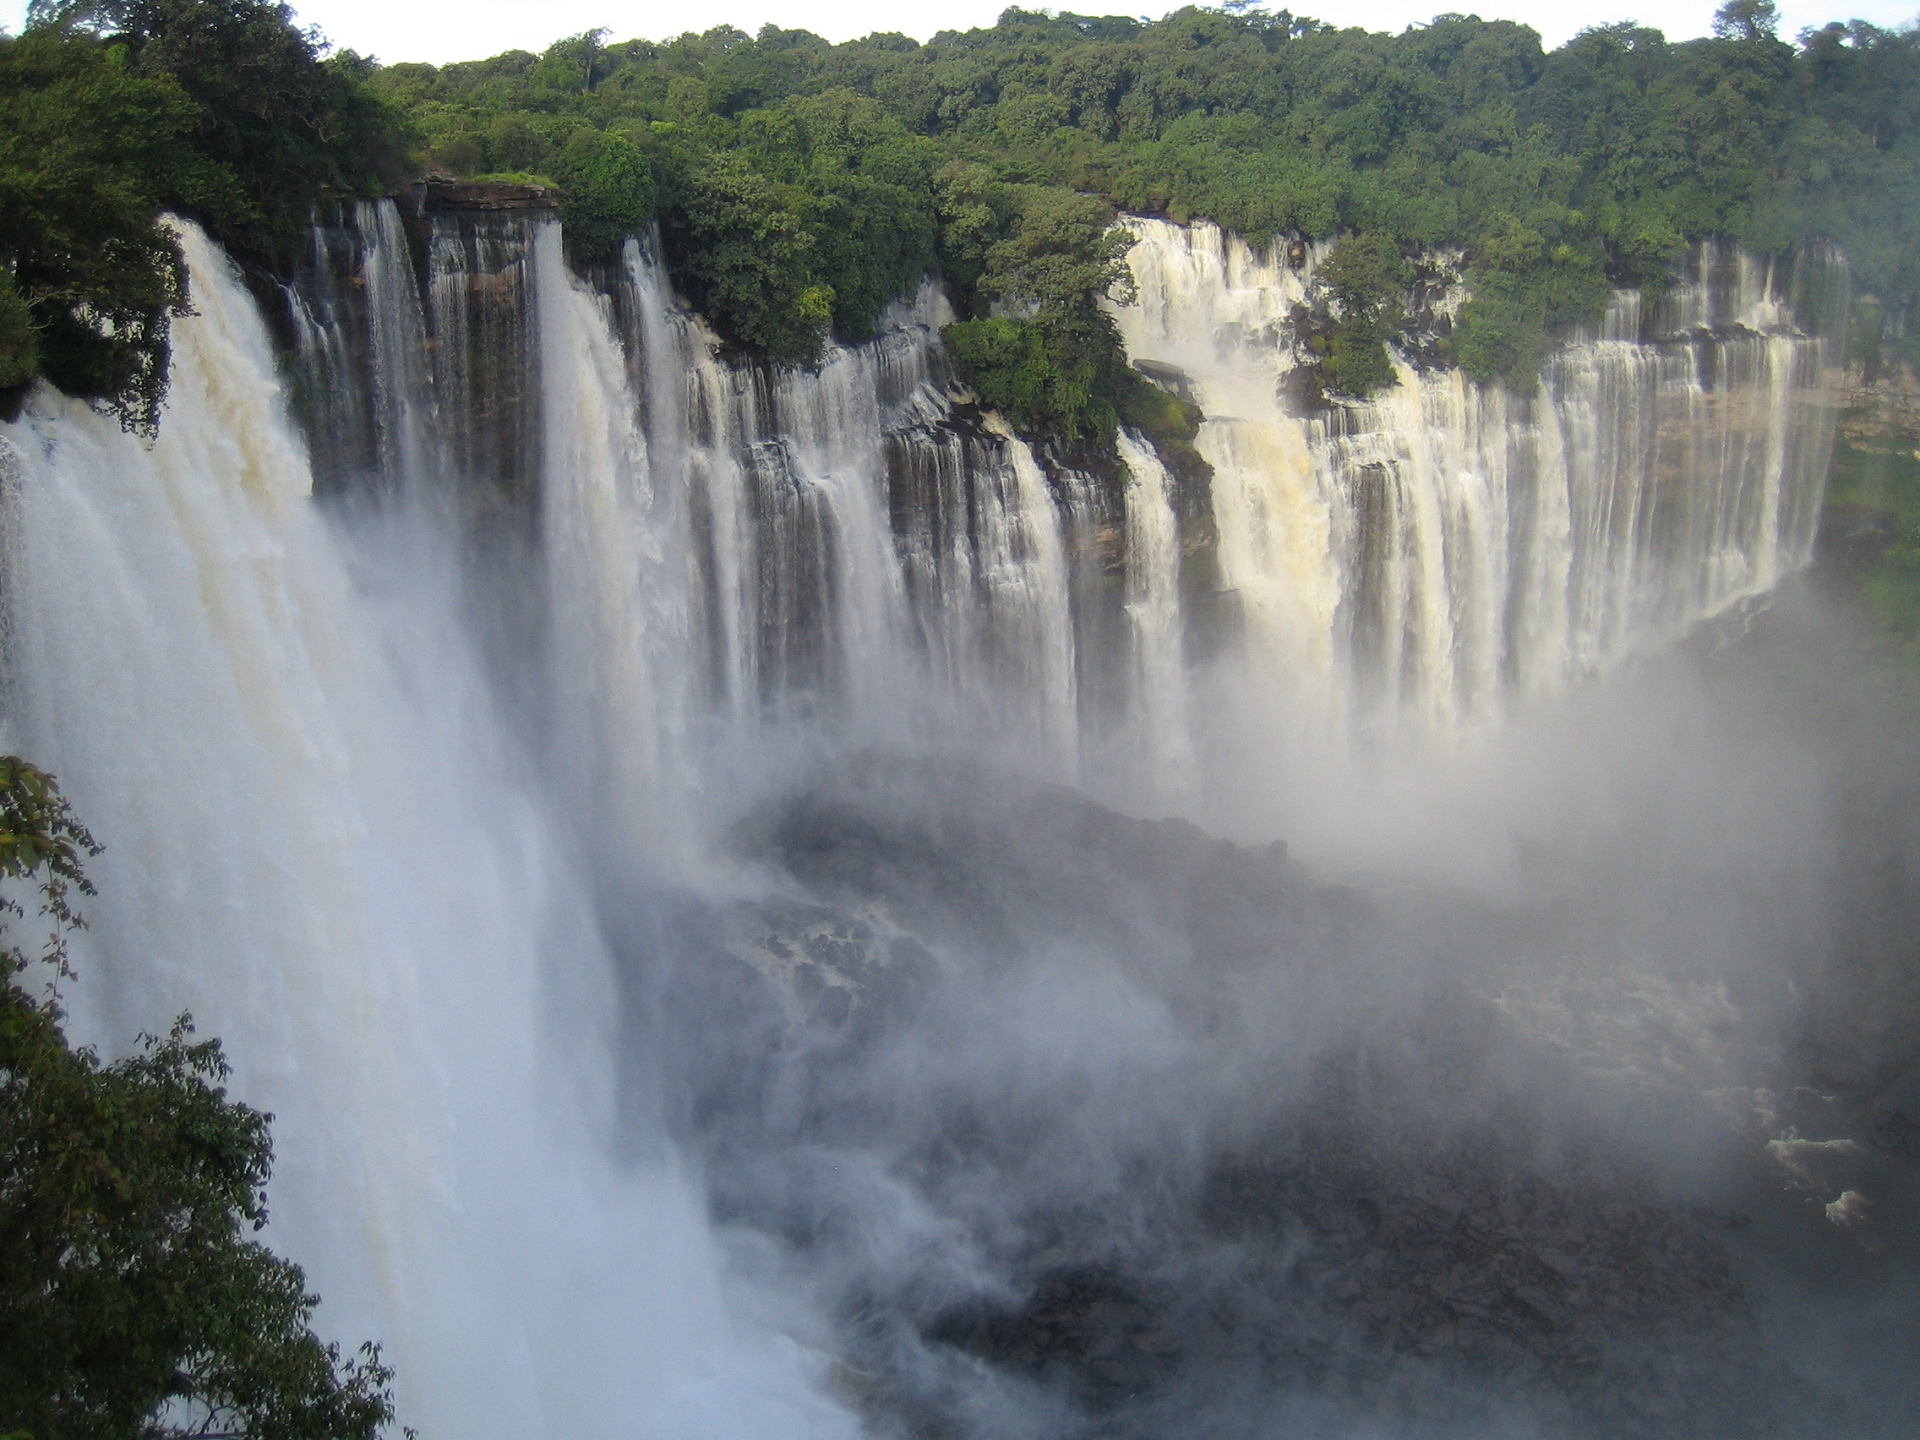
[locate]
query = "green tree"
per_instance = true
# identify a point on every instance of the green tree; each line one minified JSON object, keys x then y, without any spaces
{"x":132,"y":1303}
{"x":1366,"y":275}
{"x":1007,"y":363}
{"x":276,"y":127}
{"x":608,"y":194}
{"x":1051,"y":344}
{"x":110,"y":113}
{"x":1747,"y":19}
{"x":19,"y":338}
{"x":860,"y":184}
{"x":92,"y":278}
{"x":744,"y":255}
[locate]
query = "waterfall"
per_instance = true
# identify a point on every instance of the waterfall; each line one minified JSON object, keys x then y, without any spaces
{"x":329,"y":363}
{"x":617,"y":646}
{"x":486,"y":359}
{"x":1417,"y":558}
{"x":403,"y":400}
{"x":1153,"y":615}
{"x":853,"y":552}
{"x":385,"y":773}
{"x":321,"y":843}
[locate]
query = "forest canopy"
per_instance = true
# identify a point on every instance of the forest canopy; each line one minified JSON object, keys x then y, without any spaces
{"x":800,"y":186}
{"x":113,"y":113}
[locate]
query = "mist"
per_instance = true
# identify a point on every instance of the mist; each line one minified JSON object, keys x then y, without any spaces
{"x":835,"y":930}
{"x":1515,"y":1094}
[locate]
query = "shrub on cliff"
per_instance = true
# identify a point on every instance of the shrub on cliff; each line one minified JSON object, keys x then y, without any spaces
{"x":1049,"y":346}
{"x":132,"y":1302}
{"x":607,"y":194}
{"x":1366,"y":275}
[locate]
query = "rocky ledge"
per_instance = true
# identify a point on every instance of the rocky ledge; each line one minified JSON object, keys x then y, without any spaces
{"x":435,"y":193}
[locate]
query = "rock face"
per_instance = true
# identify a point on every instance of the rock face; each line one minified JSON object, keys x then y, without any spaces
{"x":1424,"y":1290}
{"x":1170,"y":378}
{"x":436,"y":194}
{"x":1093,"y":1125}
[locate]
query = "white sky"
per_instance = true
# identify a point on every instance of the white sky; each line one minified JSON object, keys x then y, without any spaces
{"x":443,"y":30}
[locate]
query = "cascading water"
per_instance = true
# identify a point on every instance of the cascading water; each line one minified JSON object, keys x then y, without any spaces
{"x":486,"y":362}
{"x":616,"y":597}
{"x":317,"y":843}
{"x":370,"y":777}
{"x":735,"y":558}
{"x":1153,"y":614}
{"x":848,"y":552}
{"x":1424,"y":554}
{"x":403,"y":397}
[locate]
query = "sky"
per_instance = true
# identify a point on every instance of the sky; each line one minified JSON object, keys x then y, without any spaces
{"x":443,"y":30}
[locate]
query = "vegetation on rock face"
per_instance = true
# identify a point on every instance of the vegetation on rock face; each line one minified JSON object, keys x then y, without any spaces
{"x":1048,"y":355}
{"x":131,"y":1301}
{"x":809,"y":216}
{"x":1366,"y":275}
{"x":90,"y":276}
{"x":802,"y":185}
{"x":1873,"y":497}
{"x":608,"y":194}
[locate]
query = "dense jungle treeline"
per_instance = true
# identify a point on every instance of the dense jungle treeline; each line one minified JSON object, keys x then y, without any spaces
{"x":800,"y":186}
{"x":801,"y":183}
{"x":111,"y":114}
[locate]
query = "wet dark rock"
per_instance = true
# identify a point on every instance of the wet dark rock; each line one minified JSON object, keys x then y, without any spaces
{"x":436,"y":193}
{"x":1085,"y":1327}
{"x":1314,"y":1204}
{"x":1170,"y":378}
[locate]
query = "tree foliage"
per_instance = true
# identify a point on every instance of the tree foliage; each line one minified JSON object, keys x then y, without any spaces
{"x":1050,"y":355}
{"x":609,"y":193}
{"x":1366,"y":275}
{"x":110,"y":114}
{"x":801,"y":186}
{"x":132,"y":1302}
{"x":91,"y":278}
{"x":1560,"y":174}
{"x":275,"y":126}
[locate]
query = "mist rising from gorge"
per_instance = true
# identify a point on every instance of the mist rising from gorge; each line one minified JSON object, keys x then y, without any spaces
{"x":784,"y":943}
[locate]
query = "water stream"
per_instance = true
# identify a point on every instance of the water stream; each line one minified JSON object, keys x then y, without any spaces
{"x":407,"y":695}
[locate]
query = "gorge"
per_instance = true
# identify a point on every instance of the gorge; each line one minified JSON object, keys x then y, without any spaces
{"x":677,"y":844}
